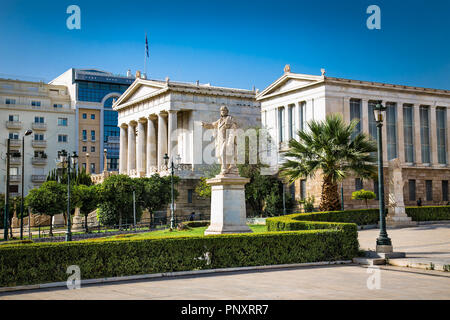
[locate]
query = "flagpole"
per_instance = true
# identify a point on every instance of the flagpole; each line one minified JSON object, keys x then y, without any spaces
{"x":145,"y":53}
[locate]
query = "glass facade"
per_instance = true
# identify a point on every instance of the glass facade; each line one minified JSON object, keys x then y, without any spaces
{"x":425,"y":134}
{"x":391,"y":130}
{"x":95,"y":92}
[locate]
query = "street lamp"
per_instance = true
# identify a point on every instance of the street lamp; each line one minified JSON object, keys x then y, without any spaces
{"x":27,"y":133}
{"x":171,"y":168}
{"x":65,"y":157}
{"x":384,"y":244}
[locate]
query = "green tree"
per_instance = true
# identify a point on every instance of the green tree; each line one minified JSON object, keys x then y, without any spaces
{"x":49,"y":199}
{"x":87,"y":199}
{"x":328,"y":147}
{"x":364,"y":195}
{"x":77,"y":177}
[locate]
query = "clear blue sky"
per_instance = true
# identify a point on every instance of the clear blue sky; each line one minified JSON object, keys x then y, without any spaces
{"x":231,"y":43}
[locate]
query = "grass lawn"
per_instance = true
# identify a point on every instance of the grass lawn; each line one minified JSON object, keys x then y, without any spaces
{"x":175,"y":233}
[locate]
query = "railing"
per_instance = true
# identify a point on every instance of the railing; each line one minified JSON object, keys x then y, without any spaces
{"x":15,"y":160}
{"x":39,"y":160}
{"x":15,"y":142}
{"x":15,"y":178}
{"x":39,"y":126}
{"x":38,"y":178}
{"x":14,"y":124}
{"x":39,"y":143}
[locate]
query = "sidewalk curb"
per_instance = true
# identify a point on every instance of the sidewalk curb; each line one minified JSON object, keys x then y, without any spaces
{"x":173,"y":274}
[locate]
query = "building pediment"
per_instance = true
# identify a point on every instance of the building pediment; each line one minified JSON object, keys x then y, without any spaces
{"x":140,"y":90}
{"x":287,"y":83}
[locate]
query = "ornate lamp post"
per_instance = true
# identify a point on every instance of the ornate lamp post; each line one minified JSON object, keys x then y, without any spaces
{"x":27,"y":133}
{"x":64,"y":157}
{"x":172,"y":168}
{"x":384,"y":244}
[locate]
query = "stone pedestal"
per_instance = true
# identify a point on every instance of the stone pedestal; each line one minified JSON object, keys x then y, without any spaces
{"x":58,"y":220}
{"x":77,"y":220}
{"x":15,"y":221}
{"x":228,"y":214}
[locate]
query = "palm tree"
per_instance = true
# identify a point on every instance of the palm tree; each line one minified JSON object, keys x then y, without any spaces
{"x":328,"y":147}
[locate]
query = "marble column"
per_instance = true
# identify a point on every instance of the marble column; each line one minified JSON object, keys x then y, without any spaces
{"x":447,"y":111}
{"x":172,"y":132}
{"x":123,"y":153}
{"x":433,"y":136}
{"x":417,"y":142}
{"x":140,"y":155}
{"x":365,"y":116}
{"x":151,"y":146}
{"x":131,"y":148}
{"x":400,"y":133}
{"x":162,"y":140}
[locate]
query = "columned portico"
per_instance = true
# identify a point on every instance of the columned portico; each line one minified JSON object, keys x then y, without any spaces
{"x":172,"y":132}
{"x":123,"y":153}
{"x":131,"y":148}
{"x":162,"y":139}
{"x":140,"y":156}
{"x":151,"y":146}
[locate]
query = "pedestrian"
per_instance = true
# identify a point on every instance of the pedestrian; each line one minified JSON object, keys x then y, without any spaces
{"x":192,"y":216}
{"x":419,"y":202}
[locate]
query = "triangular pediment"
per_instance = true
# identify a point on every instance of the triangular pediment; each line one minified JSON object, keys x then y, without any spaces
{"x":139,"y":89}
{"x":289,"y":82}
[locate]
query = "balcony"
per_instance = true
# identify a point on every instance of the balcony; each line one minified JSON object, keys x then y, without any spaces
{"x":15,"y":160}
{"x":15,"y":178}
{"x":39,"y":126}
{"x":15,"y":142}
{"x":39,"y":161}
{"x":39,"y":143}
{"x":38,"y":178}
{"x":14,"y":124}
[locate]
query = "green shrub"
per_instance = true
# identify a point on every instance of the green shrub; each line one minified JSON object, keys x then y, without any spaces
{"x":429,"y":213}
{"x":196,"y":224}
{"x":47,"y":262}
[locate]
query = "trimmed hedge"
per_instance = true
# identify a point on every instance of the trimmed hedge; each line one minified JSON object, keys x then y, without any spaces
{"x":430,"y":213}
{"x":196,"y":224}
{"x":47,"y":262}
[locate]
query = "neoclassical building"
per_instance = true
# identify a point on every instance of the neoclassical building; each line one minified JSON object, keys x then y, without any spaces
{"x":416,"y":128}
{"x":159,"y":117}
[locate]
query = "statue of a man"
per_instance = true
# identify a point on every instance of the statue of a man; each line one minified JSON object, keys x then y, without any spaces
{"x":225,"y":141}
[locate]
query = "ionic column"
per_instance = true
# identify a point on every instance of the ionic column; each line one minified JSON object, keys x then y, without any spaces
{"x":172,"y":132}
{"x":151,"y":145}
{"x":123,"y":153}
{"x":417,"y":142}
{"x":162,"y":140}
{"x":365,"y":116}
{"x":400,"y":133}
{"x":433,"y":135}
{"x":131,"y":147}
{"x":140,"y":155}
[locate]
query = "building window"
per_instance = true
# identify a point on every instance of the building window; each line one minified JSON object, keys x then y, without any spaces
{"x":14,"y":188}
{"x":13,"y":118}
{"x":84,"y":149}
{"x":14,"y":136}
{"x":441,"y":118}
{"x":93,"y":116}
{"x":84,"y":115}
{"x":92,"y":149}
{"x":425,"y":134}
{"x":355,"y":113}
{"x":35,"y":103}
{"x":38,"y":137}
{"x":302,"y":115}
{"x":372,"y":122}
{"x":92,"y":167}
{"x":57,"y":105}
{"x":292,"y":191}
{"x":281,"y":124}
{"x":408,"y":132}
{"x":358,"y":184}
{"x":84,"y":135}
{"x":412,"y":190}
{"x":93,"y":135}
{"x":391,"y":130}
{"x":84,"y":166}
{"x":429,"y":190}
{"x":190,"y":193}
{"x":10,"y":101}
{"x":62,"y":122}
{"x":302,"y":189}
{"x":62,"y":138}
{"x":444,"y":190}
{"x":13,"y":171}
{"x":291,"y":121}
{"x":375,"y":190}
{"x":38,"y":119}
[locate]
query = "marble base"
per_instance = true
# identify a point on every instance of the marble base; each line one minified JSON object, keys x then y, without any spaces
{"x":228,"y":214}
{"x":397,"y":218}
